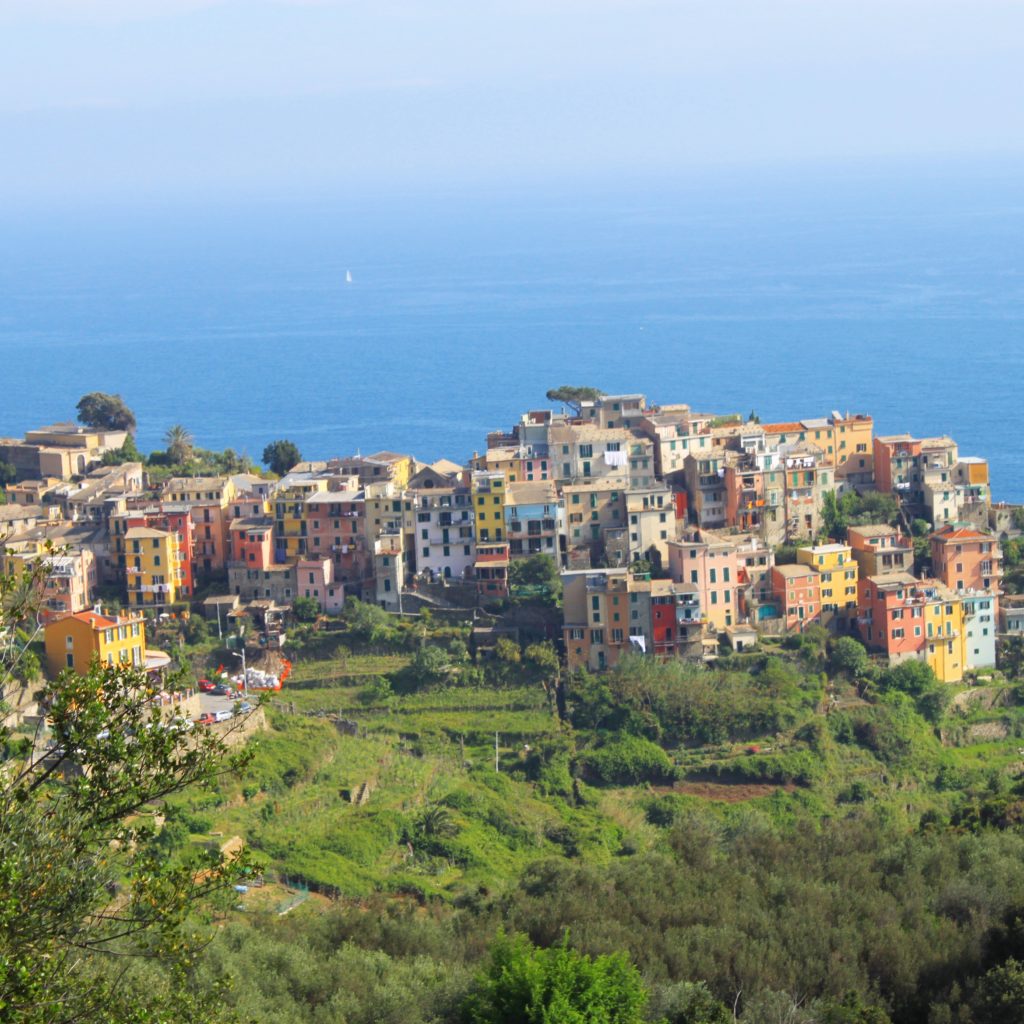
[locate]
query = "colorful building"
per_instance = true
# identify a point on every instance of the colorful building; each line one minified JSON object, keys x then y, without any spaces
{"x":76,"y":641}
{"x":442,"y":524}
{"x":966,"y":559}
{"x":837,"y":578}
{"x":208,"y":500}
{"x":488,"y":491}
{"x":708,"y":564}
{"x":534,"y":520}
{"x":490,"y":567}
{"x":981,"y":611}
{"x":908,"y":618}
{"x":314,"y":578}
{"x":797,"y":589}
{"x":879,"y":549}
{"x":168,"y":518}
{"x":597,"y":617}
{"x":69,"y":580}
{"x":155,"y":567}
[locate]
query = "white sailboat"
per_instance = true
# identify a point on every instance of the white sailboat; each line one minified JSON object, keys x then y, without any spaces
{"x":348,"y":277}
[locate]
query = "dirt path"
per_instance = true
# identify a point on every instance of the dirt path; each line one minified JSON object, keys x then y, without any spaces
{"x":731,"y":793}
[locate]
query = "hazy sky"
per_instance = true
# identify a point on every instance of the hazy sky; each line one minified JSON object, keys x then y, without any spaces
{"x":155,"y":96}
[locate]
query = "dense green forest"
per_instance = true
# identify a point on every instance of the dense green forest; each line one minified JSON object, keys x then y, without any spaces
{"x":795,"y":834}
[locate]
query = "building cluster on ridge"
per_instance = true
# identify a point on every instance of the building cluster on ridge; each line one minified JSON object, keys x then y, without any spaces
{"x":663,"y":522}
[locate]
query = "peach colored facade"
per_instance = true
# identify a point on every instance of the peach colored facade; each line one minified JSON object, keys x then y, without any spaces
{"x":252,"y":543}
{"x":966,"y":559}
{"x":880,"y":549}
{"x":710,"y":566}
{"x":895,"y":458}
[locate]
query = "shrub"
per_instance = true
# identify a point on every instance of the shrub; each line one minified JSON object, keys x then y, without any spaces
{"x":629,"y":760}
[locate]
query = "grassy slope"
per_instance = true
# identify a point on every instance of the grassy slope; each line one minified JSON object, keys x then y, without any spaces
{"x":436,"y":748}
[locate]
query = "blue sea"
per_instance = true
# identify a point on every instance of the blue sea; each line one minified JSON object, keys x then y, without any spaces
{"x":790,"y":293}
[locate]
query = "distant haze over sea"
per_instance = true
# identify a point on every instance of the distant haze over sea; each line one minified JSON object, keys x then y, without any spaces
{"x":901,"y":295}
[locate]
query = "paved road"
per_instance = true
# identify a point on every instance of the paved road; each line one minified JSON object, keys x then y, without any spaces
{"x":209,"y":703}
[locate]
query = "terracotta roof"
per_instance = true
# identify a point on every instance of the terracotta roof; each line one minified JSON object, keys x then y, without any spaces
{"x":782,"y":428}
{"x":101,"y":621}
{"x":959,"y":533}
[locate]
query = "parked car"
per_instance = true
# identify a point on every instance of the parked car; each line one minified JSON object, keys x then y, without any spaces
{"x":223,"y":716}
{"x":206,"y":718}
{"x":206,"y":686}
{"x":220,"y":690}
{"x":244,"y":708}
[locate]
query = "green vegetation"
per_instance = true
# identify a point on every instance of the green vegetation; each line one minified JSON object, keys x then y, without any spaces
{"x":105,"y":412}
{"x":524,"y":985}
{"x":795,"y":834}
{"x":574,"y":397}
{"x":853,"y":509}
{"x":306,"y":609}
{"x":87,"y":884}
{"x":281,"y":456}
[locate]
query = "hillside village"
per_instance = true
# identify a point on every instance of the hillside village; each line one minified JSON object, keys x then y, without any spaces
{"x":673,"y":533}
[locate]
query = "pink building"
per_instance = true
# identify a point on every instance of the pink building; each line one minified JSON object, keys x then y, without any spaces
{"x":314,"y":577}
{"x":708,"y":564}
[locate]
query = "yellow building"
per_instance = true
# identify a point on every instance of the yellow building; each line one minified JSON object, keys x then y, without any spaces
{"x":837,"y":570}
{"x":77,"y":640}
{"x":504,"y":460}
{"x":401,"y":467}
{"x":489,"y":506}
{"x":154,"y":567}
{"x":945,"y":637}
{"x":200,"y":490}
{"x":291,"y":529}
{"x":852,"y":436}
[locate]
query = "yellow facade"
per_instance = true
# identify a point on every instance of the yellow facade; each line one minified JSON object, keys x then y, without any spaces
{"x":853,"y":438}
{"x":977,"y":473}
{"x":200,"y":490}
{"x":154,"y":567}
{"x":946,"y":648}
{"x":402,"y":469}
{"x":837,"y":570}
{"x":290,"y":527}
{"x":500,"y":460}
{"x":489,"y":506}
{"x":77,"y":640}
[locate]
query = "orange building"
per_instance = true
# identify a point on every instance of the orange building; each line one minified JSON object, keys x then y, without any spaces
{"x":966,"y":559}
{"x":909,"y":618}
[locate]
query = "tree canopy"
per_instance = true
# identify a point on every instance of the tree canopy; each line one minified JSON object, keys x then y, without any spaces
{"x":535,"y":578}
{"x":525,"y":985}
{"x":306,"y":609}
{"x":281,"y":456}
{"x":86,"y":886}
{"x":573,"y":397}
{"x":180,"y":444}
{"x":105,"y":412}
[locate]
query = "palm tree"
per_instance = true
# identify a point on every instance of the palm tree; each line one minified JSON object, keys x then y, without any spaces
{"x":435,"y":822}
{"x":179,"y":444}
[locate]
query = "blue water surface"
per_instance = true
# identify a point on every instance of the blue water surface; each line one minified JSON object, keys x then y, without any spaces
{"x":902,"y":296}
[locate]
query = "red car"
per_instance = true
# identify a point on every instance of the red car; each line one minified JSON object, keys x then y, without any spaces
{"x":206,"y":718}
{"x":205,"y":685}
